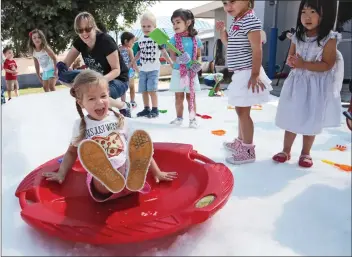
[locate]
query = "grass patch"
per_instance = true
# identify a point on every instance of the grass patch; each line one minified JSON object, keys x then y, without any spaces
{"x":28,"y":91}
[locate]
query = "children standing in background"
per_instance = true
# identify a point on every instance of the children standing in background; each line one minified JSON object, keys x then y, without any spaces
{"x":149,"y":54}
{"x":10,"y":68}
{"x":249,"y":85}
{"x":309,"y":93}
{"x":127,"y":41}
{"x":45,"y":58}
{"x":184,"y":78}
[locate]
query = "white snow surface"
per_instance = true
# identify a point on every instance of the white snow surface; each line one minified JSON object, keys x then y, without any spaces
{"x":274,"y":209}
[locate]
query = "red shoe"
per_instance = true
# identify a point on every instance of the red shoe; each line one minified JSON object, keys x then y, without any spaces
{"x":281,"y":157}
{"x":305,"y":161}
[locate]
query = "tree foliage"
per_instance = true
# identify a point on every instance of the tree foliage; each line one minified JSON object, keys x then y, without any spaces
{"x":56,"y":17}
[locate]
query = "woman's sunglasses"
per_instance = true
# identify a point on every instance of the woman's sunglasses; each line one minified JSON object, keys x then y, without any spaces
{"x":80,"y":31}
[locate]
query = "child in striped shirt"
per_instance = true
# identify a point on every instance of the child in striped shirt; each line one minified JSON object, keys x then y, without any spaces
{"x":249,"y":85}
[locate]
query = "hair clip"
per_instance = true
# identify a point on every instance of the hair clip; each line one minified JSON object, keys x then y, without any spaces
{"x":30,"y":34}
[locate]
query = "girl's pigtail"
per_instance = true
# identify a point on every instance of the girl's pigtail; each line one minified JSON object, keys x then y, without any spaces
{"x":120,"y":118}
{"x":82,"y":126}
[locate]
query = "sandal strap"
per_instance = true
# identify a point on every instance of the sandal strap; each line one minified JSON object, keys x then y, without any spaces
{"x":306,"y":157}
{"x":283,"y":153}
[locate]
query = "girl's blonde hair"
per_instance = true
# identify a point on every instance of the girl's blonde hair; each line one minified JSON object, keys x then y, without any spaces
{"x":149,"y":16}
{"x":31,"y":45}
{"x":85,"y":15}
{"x":84,"y":80}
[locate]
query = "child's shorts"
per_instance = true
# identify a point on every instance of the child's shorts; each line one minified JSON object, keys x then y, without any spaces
{"x":11,"y":85}
{"x":98,"y":197}
{"x":148,"y":81}
{"x":48,"y":74}
{"x":175,"y":83}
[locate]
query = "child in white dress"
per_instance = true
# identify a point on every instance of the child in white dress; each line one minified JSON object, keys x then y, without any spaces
{"x":310,"y":97}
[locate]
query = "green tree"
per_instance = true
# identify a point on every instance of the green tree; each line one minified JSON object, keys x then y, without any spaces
{"x":55,"y":18}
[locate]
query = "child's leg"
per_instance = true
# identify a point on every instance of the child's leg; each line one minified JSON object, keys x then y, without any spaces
{"x":246,"y":124}
{"x":142,"y":88}
{"x":9,"y":88}
{"x":152,"y":88}
{"x":46,"y":85}
{"x":140,"y":153}
{"x":132,"y":90}
{"x":52,"y":83}
{"x":16,"y":87}
{"x":96,"y":162}
{"x":188,"y":98}
{"x":123,"y":97}
{"x":285,"y":155}
{"x":305,"y":160}
{"x":179,"y":99}
{"x":154,"y":98}
{"x":307,"y":144}
{"x":288,"y":141}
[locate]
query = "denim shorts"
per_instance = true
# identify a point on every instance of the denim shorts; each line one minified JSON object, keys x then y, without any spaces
{"x":148,"y":81}
{"x":117,"y":88}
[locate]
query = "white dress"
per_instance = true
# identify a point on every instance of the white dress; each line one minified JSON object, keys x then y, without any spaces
{"x":310,"y":101}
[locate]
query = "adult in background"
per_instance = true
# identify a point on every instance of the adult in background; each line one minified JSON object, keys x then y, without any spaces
{"x":100,"y":53}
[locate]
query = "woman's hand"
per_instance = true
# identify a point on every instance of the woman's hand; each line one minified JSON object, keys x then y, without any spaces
{"x":255,"y":84}
{"x":54,"y":176}
{"x":165,"y":176}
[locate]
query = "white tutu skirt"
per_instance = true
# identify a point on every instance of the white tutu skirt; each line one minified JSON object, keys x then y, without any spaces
{"x":241,"y":96}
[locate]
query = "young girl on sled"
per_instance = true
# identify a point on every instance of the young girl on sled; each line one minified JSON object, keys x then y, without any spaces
{"x":116,"y":164}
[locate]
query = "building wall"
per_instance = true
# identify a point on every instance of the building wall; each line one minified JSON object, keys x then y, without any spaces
{"x":211,"y":42}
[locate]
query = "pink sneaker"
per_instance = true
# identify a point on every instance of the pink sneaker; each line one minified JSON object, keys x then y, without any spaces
{"x":233,"y":146}
{"x":245,"y":154}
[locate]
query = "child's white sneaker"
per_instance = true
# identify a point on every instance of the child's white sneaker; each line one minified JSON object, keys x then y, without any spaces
{"x":177,"y":121}
{"x":193,"y":123}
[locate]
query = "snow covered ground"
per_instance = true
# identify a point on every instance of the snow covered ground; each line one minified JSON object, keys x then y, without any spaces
{"x":274,"y":209}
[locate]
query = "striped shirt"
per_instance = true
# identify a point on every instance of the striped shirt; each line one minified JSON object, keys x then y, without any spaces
{"x":239,"y":51}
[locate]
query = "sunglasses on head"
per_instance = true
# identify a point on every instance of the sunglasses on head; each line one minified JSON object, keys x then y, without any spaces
{"x":80,"y":31}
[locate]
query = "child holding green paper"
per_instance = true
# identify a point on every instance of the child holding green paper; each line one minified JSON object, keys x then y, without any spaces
{"x":184,"y":78}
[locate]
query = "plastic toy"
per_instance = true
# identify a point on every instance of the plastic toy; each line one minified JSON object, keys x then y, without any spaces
{"x":340,"y":148}
{"x":162,"y":38}
{"x":162,"y":111}
{"x":219,"y":132}
{"x":342,"y":167}
{"x":131,"y":73}
{"x":206,"y":117}
{"x":215,"y":91}
{"x":257,"y":107}
{"x":68,"y":212}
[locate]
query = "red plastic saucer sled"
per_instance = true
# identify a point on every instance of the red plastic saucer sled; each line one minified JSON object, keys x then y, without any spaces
{"x":67,"y":211}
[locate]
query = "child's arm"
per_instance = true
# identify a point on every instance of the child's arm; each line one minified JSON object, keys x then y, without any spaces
{"x":166,"y":56}
{"x":53,"y":57}
{"x":10,"y":71}
{"x":160,"y":175}
{"x":254,"y":38}
{"x":136,"y":58}
{"x":133,"y":63}
{"x":220,"y":26}
{"x":67,"y":163}
{"x":328,"y":61}
{"x":37,"y":69}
